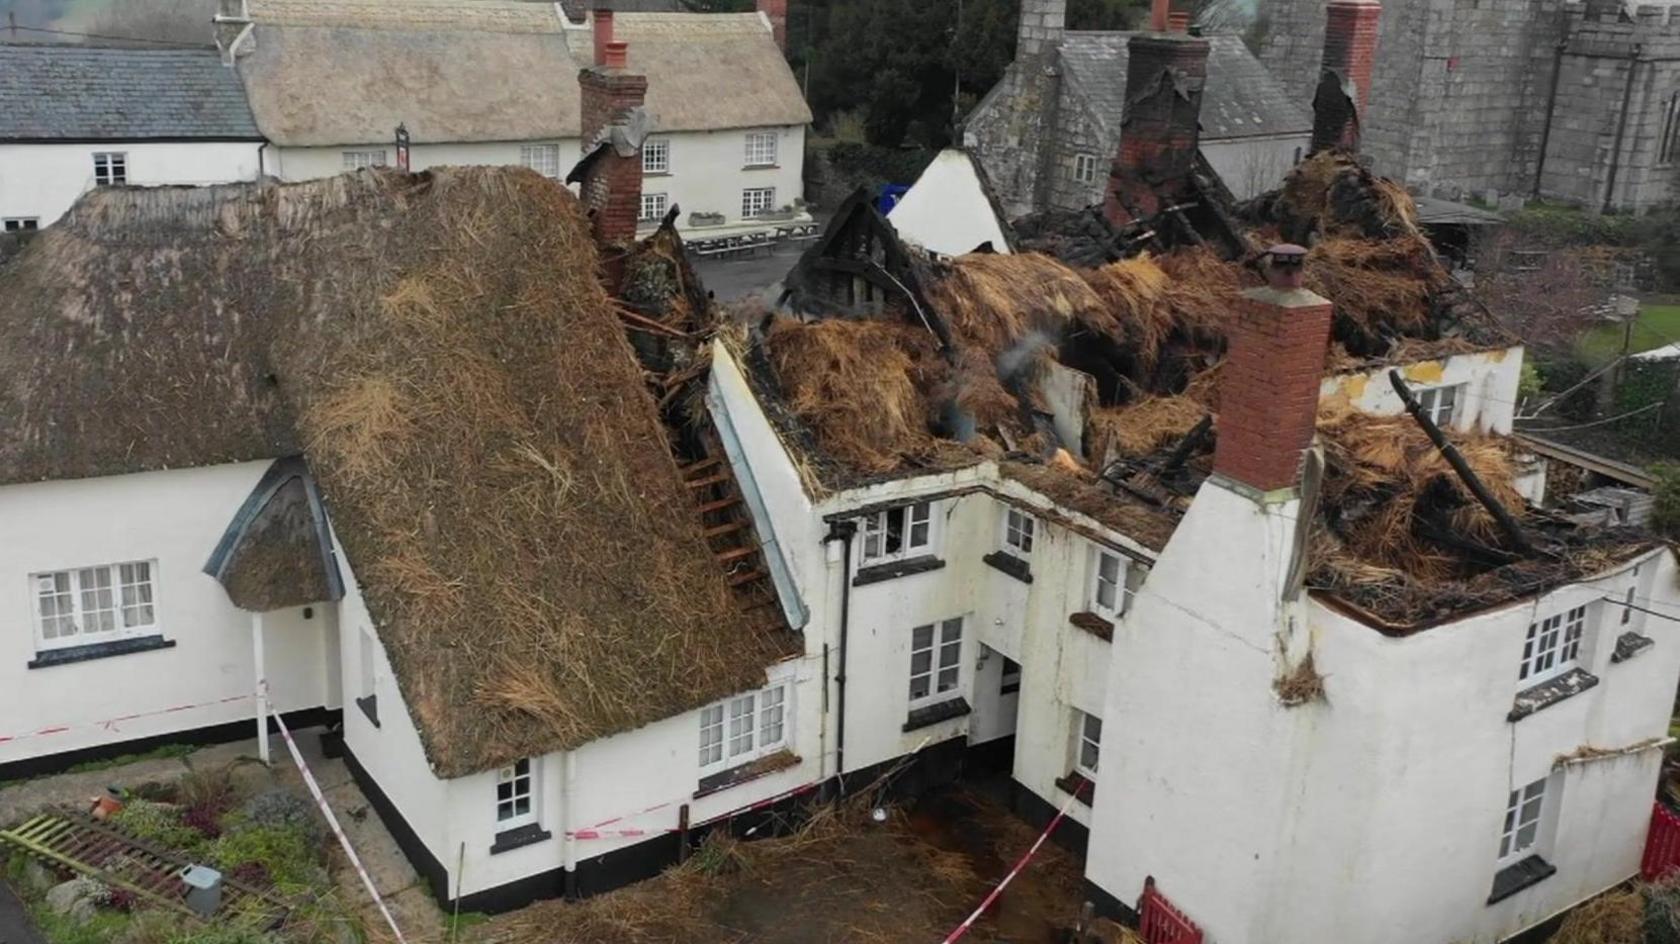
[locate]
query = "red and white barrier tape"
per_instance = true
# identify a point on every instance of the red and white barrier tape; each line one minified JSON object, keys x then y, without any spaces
{"x":968,"y":923}
{"x":343,"y":840}
{"x":595,"y":832}
{"x":110,"y":724}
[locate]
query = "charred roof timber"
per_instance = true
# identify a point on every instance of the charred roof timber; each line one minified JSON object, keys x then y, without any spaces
{"x":1344,"y":83}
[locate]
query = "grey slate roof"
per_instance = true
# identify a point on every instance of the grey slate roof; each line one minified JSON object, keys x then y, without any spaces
{"x":92,"y":93}
{"x":1242,"y":99}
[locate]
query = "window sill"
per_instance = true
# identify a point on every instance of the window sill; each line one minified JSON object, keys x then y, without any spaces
{"x":1010,"y":564}
{"x":1078,"y":786}
{"x":520,"y":837}
{"x":370,"y":707}
{"x":651,"y":174}
{"x":1518,"y":876}
{"x":930,"y":715}
{"x":47,"y":658}
{"x":1629,"y":645}
{"x":1550,"y":692}
{"x":735,"y":776}
{"x":1093,"y":624}
{"x":761,"y":167}
{"x":892,"y":570}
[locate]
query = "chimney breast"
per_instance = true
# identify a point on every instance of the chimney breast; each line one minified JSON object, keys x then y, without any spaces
{"x":1043,"y":23}
{"x":1344,"y":84}
{"x":612,"y":187}
{"x":603,"y":33}
{"x":1268,"y":385}
{"x":1160,"y":131}
{"x":776,"y":11}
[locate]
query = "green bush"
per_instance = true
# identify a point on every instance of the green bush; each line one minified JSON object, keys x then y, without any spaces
{"x":158,"y":823}
{"x":208,"y":788}
{"x":283,"y":809}
{"x":1665,"y":512}
{"x":1530,"y":385}
{"x":103,"y":928}
{"x":285,"y":852}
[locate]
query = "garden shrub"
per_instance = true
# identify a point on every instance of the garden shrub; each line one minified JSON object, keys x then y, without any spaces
{"x":1665,"y":509}
{"x":283,"y":809}
{"x":158,"y":823}
{"x":210,"y":788}
{"x":286,"y":853}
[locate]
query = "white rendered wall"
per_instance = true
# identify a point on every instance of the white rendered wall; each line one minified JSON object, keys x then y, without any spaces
{"x":1252,"y":166}
{"x":947,"y":210}
{"x":1488,"y":401}
{"x":43,"y":180}
{"x":174,"y":518}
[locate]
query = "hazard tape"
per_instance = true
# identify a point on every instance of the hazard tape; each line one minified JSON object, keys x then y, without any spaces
{"x":594,"y":832}
{"x":110,"y":724}
{"x":968,"y":923}
{"x":326,"y":810}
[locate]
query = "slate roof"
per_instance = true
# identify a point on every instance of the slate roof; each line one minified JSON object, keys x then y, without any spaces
{"x":53,"y":92}
{"x":1242,"y":98}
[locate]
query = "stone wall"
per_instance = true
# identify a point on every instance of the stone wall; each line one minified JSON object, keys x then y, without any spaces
{"x":1012,"y":128}
{"x":1077,"y":132}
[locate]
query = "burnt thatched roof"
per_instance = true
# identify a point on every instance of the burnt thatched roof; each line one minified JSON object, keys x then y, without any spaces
{"x":439,"y":349}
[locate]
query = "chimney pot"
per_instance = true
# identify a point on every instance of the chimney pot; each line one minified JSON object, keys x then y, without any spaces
{"x":617,"y":55}
{"x":1178,"y":22}
{"x":603,"y":32}
{"x":1286,"y":266}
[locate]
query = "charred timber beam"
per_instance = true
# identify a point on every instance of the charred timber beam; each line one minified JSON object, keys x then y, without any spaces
{"x":1513,"y":531}
{"x":1188,"y":446}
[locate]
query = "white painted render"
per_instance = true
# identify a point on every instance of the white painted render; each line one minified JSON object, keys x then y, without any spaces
{"x":1487,"y":399}
{"x":174,"y":518}
{"x":1251,"y":166}
{"x":947,"y":210}
{"x":43,"y":180}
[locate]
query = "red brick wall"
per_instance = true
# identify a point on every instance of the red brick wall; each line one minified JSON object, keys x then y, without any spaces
{"x":1161,"y":132}
{"x":1268,"y":387}
{"x":1350,"y":52}
{"x":777,"y":11}
{"x":613,"y":189}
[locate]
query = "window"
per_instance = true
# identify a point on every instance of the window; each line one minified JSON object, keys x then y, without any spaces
{"x":1088,"y":743}
{"x":542,"y":158}
{"x":761,"y":148}
{"x":516,"y":803}
{"x":1440,"y":404}
{"x":110,"y":168}
{"x":1553,"y":645}
{"x":1085,"y":168}
{"x":757,"y":201}
{"x":1018,"y":532}
{"x":1668,"y":146}
{"x":898,"y":533}
{"x":356,"y":160}
{"x":1522,"y":821}
{"x":1108,"y":584}
{"x":656,"y":156}
{"x":935,"y":658}
{"x":742,"y":729}
{"x":654,"y":206}
{"x":21,"y":224}
{"x":95,"y":604}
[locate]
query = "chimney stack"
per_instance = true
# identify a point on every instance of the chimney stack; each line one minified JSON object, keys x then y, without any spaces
{"x":776,"y":11}
{"x":1344,"y":79}
{"x":1160,"y":131}
{"x":1043,"y":23}
{"x":612,"y":102}
{"x":1268,"y":385}
{"x":603,"y":33}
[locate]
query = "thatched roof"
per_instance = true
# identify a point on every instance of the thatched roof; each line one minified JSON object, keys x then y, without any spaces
{"x":439,"y":349}
{"x":335,"y":72}
{"x":277,"y":550}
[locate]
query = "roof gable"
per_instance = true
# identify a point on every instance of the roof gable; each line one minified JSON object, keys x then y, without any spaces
{"x":94,"y":93}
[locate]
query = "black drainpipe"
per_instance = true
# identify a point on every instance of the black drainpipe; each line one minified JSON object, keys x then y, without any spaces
{"x":842,"y":531}
{"x":1551,"y":106}
{"x":1621,"y":129}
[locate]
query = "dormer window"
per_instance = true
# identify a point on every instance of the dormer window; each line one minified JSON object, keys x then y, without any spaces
{"x":1440,"y":404}
{"x":898,"y":533}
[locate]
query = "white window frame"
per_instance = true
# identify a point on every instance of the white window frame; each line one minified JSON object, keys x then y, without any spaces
{"x":542,"y":158}
{"x":654,"y":206}
{"x":110,"y":168}
{"x":1085,"y":168}
{"x":757,"y":201}
{"x":1553,"y":645}
{"x":367,"y":157}
{"x":1087,"y":733}
{"x":1101,"y":586}
{"x":20,"y":224}
{"x":943,"y":671}
{"x":79,"y":588}
{"x":896,"y":534}
{"x":1443,"y":404}
{"x":520,"y":777}
{"x":761,"y":148}
{"x":656,"y":156}
{"x":745,"y":728}
{"x":1519,"y":834}
{"x":1020,"y":530}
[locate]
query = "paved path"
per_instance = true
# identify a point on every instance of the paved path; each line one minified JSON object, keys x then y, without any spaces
{"x":735,"y":278}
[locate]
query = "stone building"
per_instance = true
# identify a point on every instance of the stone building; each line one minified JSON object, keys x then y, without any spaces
{"x":1565,"y":101}
{"x":1048,"y":131}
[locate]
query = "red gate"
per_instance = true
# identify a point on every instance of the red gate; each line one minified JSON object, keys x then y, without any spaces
{"x":1161,"y":922}
{"x":1662,"y":845}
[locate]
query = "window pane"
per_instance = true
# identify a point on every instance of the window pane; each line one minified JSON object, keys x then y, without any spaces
{"x":947,"y":679}
{"x":1093,"y":728}
{"x":504,"y":791}
{"x":895,"y":530}
{"x":921,"y":637}
{"x":99,"y":613}
{"x":1088,"y":755}
{"x":952,"y":630}
{"x":919,"y":686}
{"x":921,"y":662}
{"x":1525,"y":835}
{"x":948,"y":654}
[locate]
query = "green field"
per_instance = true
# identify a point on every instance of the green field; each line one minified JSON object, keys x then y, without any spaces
{"x":1658,"y":324}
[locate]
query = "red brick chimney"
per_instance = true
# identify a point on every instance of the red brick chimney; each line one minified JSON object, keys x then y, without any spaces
{"x":1344,"y":79}
{"x":1160,"y":131}
{"x":1268,"y":385}
{"x":776,"y":11}
{"x":612,"y":187}
{"x":603,"y":32}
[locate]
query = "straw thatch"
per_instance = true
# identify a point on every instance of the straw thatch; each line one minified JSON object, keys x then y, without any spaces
{"x":440,"y":350}
{"x":279,"y":560}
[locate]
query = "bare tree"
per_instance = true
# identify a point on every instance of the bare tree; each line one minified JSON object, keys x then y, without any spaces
{"x":178,"y":21}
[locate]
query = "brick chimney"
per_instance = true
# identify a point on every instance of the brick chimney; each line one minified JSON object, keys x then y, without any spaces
{"x":612,"y":103}
{"x":1268,"y":385}
{"x":1160,"y":131}
{"x":1043,"y":22}
{"x":776,"y":11}
{"x":1344,"y":78}
{"x":602,"y":30}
